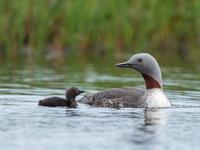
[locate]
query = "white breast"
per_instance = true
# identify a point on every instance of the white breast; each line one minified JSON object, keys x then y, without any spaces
{"x":156,"y":98}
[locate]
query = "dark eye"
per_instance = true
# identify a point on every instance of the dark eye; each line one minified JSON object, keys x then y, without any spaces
{"x":139,"y":60}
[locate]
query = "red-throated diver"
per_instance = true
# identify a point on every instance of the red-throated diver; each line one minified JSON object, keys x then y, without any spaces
{"x":70,"y":101}
{"x":152,"y":97}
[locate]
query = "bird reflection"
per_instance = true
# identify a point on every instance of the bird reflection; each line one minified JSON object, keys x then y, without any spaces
{"x":153,"y":128}
{"x":72,"y":113}
{"x":155,"y":116}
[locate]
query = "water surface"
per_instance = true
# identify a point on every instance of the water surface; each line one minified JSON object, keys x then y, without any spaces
{"x":27,"y":126}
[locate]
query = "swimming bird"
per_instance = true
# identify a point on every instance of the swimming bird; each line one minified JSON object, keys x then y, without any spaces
{"x":70,"y":101}
{"x":151,"y":97}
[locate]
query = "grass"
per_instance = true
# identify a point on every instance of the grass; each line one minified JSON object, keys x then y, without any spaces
{"x":84,"y":27}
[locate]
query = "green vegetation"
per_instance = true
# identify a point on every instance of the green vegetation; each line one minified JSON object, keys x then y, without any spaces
{"x":37,"y":28}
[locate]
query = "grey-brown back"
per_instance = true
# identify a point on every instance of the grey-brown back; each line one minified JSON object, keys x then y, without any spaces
{"x":115,"y":98}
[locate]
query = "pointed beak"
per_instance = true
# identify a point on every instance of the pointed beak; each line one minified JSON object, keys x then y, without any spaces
{"x":124,"y":65}
{"x":81,"y":92}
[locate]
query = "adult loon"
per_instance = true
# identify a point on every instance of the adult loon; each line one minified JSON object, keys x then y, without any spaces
{"x":70,"y":101}
{"x":151,"y":97}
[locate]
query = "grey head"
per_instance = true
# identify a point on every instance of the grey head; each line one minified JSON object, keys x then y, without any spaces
{"x":147,"y":65}
{"x":72,"y":92}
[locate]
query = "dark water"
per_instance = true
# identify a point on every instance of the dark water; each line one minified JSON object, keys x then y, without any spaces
{"x":26,"y":126}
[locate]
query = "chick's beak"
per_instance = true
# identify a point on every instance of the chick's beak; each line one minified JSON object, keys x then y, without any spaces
{"x":81,"y":92}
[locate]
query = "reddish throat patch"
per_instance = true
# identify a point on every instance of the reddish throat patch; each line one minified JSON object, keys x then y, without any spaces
{"x":151,"y":82}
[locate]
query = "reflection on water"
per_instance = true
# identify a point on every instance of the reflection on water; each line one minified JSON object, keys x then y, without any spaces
{"x":72,"y":113}
{"x":150,"y":132}
{"x":27,"y":126}
{"x":155,"y":116}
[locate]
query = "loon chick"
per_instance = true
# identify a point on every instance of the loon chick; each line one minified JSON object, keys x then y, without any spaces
{"x":152,"y":97}
{"x":70,"y":101}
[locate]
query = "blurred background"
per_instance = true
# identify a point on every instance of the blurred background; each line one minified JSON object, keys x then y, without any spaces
{"x":60,"y":31}
{"x":47,"y":46}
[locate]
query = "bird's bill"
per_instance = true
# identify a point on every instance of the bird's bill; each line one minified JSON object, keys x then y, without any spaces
{"x":81,"y":92}
{"x":124,"y":65}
